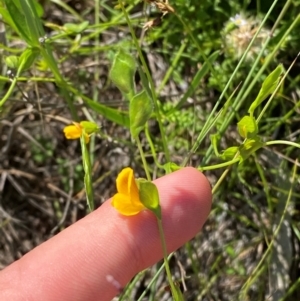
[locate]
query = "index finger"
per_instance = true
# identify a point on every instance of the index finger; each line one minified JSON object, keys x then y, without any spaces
{"x":75,"y":264}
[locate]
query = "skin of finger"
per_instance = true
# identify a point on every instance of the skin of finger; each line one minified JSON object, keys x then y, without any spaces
{"x":74,"y":264}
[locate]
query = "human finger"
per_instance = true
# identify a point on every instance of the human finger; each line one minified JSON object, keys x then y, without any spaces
{"x":80,"y":262}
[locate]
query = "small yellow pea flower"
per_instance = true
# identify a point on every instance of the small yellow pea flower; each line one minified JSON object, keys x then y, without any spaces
{"x":74,"y":131}
{"x":127,"y":200}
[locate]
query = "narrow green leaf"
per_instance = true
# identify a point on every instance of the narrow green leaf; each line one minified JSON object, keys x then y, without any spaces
{"x":5,"y":16}
{"x":33,"y":22}
{"x":16,"y":18}
{"x":249,"y":147}
{"x":139,"y":112}
{"x":111,"y":114}
{"x":149,"y":196}
{"x":268,"y":87}
{"x":87,"y":172}
{"x":39,"y":8}
{"x":247,"y":127}
{"x":176,"y":293}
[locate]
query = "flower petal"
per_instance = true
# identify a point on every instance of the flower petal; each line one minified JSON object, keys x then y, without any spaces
{"x":72,"y":132}
{"x":134,"y":193}
{"x":124,"y":180}
{"x":127,"y":200}
{"x":123,"y":205}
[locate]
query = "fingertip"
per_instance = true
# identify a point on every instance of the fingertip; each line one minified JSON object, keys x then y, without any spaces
{"x":202,"y":188}
{"x":186,"y":201}
{"x":191,"y":187}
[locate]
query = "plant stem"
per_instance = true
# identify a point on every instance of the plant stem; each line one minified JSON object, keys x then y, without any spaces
{"x":228,"y":163}
{"x":138,"y":142}
{"x":290,"y":143}
{"x":9,"y":91}
{"x":165,"y":254}
{"x":151,"y":84}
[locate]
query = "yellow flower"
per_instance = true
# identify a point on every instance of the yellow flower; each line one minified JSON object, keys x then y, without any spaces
{"x":127,"y":200}
{"x":74,"y":131}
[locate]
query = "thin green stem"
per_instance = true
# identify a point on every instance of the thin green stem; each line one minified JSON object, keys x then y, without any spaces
{"x":150,"y":81}
{"x":229,"y":163}
{"x":165,"y":254}
{"x":202,"y":53}
{"x":154,"y":279}
{"x":280,"y":17}
{"x":246,"y":286}
{"x":220,"y":180}
{"x":152,"y":147}
{"x":97,"y":44}
{"x":275,"y":91}
{"x":29,"y":79}
{"x":290,"y":143}
{"x":138,"y":142}
{"x":96,"y":76}
{"x":172,"y":67}
{"x":9,"y":91}
{"x":216,"y":166}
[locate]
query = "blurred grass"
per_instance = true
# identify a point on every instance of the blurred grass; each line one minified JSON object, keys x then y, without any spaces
{"x":205,"y":75}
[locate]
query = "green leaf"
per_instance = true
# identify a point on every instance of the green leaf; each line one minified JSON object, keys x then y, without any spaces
{"x":149,"y":196}
{"x":39,"y":9}
{"x":249,"y":147}
{"x":33,"y":22}
{"x":247,"y":127}
{"x":89,"y":127}
{"x":122,"y":72}
{"x":76,"y":28}
{"x":27,"y":58}
{"x":12,"y":61}
{"x":170,"y":167}
{"x":87,"y":172}
{"x":5,"y":16}
{"x":139,"y":112}
{"x":268,"y":87}
{"x":16,"y":18}
{"x":229,"y":153}
{"x":23,"y":62}
{"x":23,"y":16}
